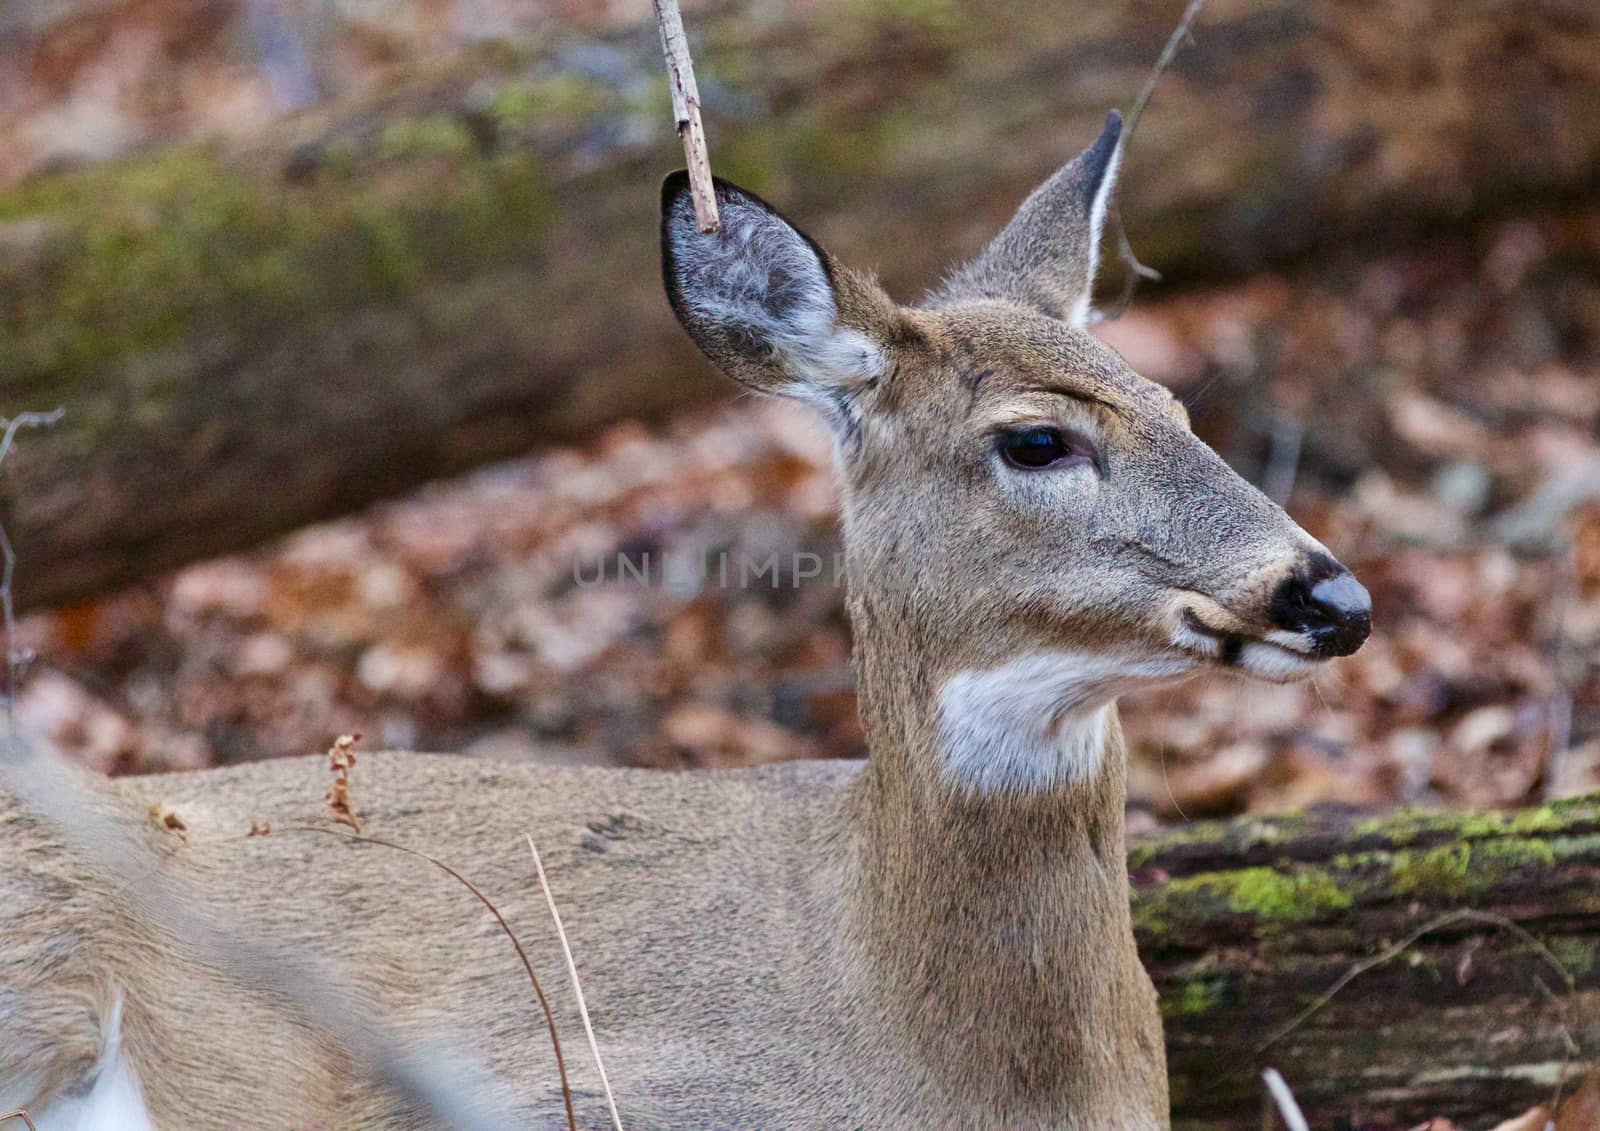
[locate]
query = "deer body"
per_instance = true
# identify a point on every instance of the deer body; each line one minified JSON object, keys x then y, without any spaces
{"x":734,"y":932}
{"x":940,"y":937}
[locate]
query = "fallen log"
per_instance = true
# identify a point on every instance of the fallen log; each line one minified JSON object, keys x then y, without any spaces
{"x":463,"y":266}
{"x":1393,"y":968}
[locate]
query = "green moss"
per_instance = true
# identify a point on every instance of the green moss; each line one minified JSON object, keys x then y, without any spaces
{"x":556,"y":99}
{"x":1267,"y":895}
{"x":438,"y":135}
{"x":1579,"y":957}
{"x":1498,"y":857}
{"x":1296,"y":896}
{"x":514,"y":105}
{"x":1348,"y":863}
{"x":1434,"y":871}
{"x":1586,"y":806}
{"x":1199,"y":996}
{"x":1203,"y":834}
{"x":1404,"y":826}
{"x":1465,"y":869}
{"x":823,"y":150}
{"x":1586,"y":847}
{"x":188,"y":243}
{"x":338,"y":157}
{"x":936,"y":23}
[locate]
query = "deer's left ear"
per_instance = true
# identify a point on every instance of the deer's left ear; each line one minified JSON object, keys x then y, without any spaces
{"x":763,"y":301}
{"x":1047,"y":255}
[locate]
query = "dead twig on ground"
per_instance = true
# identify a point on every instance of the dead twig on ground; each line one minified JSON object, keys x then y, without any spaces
{"x":1485,"y":918}
{"x":686,"y":113}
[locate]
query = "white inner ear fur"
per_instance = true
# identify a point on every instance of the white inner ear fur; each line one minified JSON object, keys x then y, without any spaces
{"x":113,"y":1100}
{"x":1038,"y":722}
{"x":762,"y":275}
{"x":1082,"y":309}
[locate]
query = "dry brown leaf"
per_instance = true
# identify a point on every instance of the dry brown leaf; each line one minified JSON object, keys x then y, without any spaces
{"x":340,"y":808}
{"x":342,"y":755}
{"x":164,"y":817}
{"x":259,"y":828}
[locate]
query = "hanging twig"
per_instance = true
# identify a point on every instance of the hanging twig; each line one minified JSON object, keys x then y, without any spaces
{"x":1163,"y":61}
{"x":1135,"y":270}
{"x":686,"y":112}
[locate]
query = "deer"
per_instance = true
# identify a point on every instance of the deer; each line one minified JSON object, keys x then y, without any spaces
{"x":938,"y":935}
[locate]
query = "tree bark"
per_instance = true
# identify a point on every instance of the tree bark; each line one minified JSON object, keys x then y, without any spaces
{"x":1245,"y":926}
{"x":246,"y":340}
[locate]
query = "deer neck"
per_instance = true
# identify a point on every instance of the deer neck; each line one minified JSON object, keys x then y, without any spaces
{"x":997,"y":923}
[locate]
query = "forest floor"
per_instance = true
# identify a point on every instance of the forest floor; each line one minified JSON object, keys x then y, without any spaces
{"x":1430,"y":413}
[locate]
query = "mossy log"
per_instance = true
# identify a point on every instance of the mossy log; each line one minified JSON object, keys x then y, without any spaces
{"x":464,"y":266}
{"x":1247,"y":926}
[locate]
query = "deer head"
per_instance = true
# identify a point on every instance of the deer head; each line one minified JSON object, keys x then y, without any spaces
{"x":1031,"y":527}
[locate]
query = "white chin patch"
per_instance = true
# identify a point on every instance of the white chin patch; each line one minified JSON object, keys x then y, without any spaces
{"x":1036,"y":723}
{"x":1271,"y":662}
{"x":111,"y":1101}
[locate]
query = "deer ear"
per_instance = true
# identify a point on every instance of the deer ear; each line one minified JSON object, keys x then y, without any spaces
{"x":1047,"y":255}
{"x":760,"y":299}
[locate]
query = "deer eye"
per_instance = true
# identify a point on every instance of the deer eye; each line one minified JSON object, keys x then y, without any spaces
{"x":1033,"y":449}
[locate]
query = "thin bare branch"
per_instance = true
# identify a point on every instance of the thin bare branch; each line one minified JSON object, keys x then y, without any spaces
{"x":1163,"y":61}
{"x":19,"y":1114}
{"x":1133,"y":269}
{"x":1450,"y":919}
{"x":577,"y":987}
{"x":686,"y":113}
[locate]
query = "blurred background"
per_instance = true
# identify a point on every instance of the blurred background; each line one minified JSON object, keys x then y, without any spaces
{"x":354,"y":310}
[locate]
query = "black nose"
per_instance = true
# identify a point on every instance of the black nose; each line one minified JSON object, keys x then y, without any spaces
{"x":1326,"y":603}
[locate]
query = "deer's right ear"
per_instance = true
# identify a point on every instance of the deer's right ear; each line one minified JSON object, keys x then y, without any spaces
{"x":759,"y":298}
{"x":1047,"y":255}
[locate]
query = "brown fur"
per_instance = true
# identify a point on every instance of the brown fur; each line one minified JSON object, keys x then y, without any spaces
{"x":804,"y":945}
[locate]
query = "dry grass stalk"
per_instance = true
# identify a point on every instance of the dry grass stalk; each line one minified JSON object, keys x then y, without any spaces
{"x":1293,"y":1118}
{"x":257,"y":830}
{"x":19,"y":1114}
{"x":577,"y":987}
